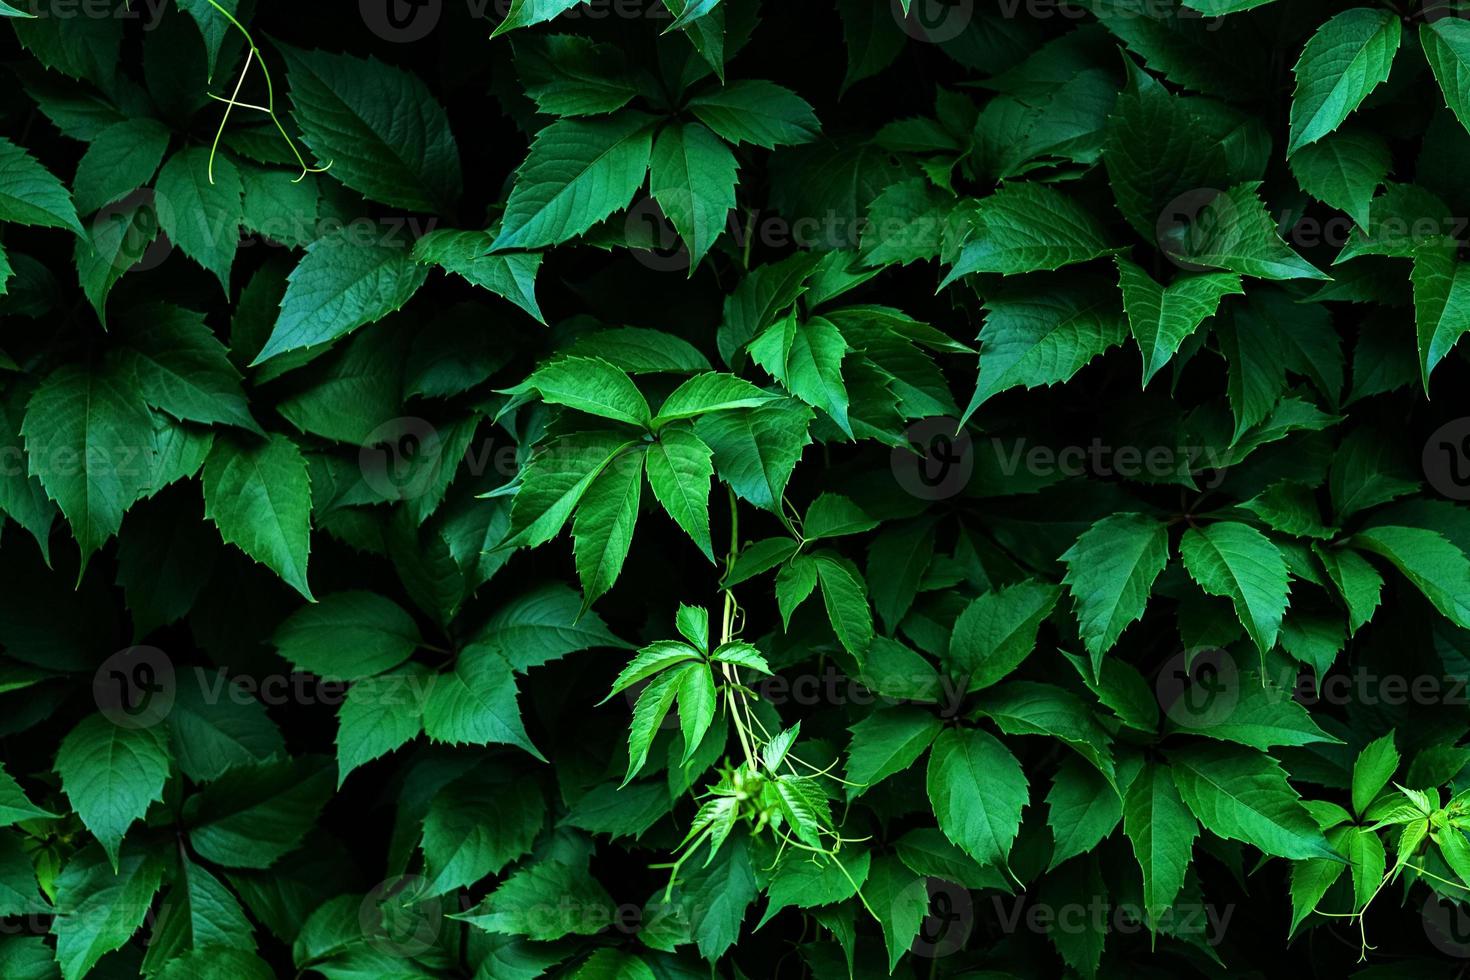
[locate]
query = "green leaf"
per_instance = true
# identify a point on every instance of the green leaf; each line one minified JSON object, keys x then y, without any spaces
{"x":1374,"y":767}
{"x":347,"y":636}
{"x":1027,"y":227}
{"x":888,"y":741}
{"x":679,"y":470}
{"x":200,"y":208}
{"x":1039,"y":334}
{"x":465,"y":253}
{"x":555,"y":481}
{"x":717,"y":896}
{"x":376,"y":127}
{"x":1456,"y":851}
{"x":1162,"y":832}
{"x":339,"y":285}
{"x":612,"y":964}
{"x":638,"y":350}
{"x":1426,"y":558}
{"x":897,"y":559}
{"x":1400,"y":220}
{"x":696,"y":705}
{"x":1310,"y":880}
{"x":1232,"y":230}
{"x":907,"y":223}
{"x":122,"y":158}
{"x":89,"y":439}
{"x":846,"y":599}
{"x":1441,"y":304}
{"x":1029,"y":708}
{"x":517,"y":906}
{"x":758,"y":112}
{"x":254,"y":814}
{"x":15,"y":807}
{"x":794,"y":583}
{"x":873,"y":39}
{"x":1356,"y":580}
{"x":1240,"y":563}
{"x":997,"y":631}
{"x":756,"y":450}
{"x":545,"y":624}
{"x":901,"y":900}
{"x":1262,"y":716}
{"x":1218,"y":8}
{"x":807,"y":358}
{"x":602,"y":531}
{"x":1082,"y":809}
{"x":570,"y":75}
{"x":259,"y":496}
{"x":380,"y":714}
{"x":214,"y":727}
{"x":1161,"y":318}
{"x":30,"y":195}
{"x":116,"y":243}
{"x":1111,"y":569}
{"x":197,"y":913}
{"x":475,"y":703}
{"x":1344,"y":170}
{"x":649,"y":711}
{"x":216,"y":963}
{"x":104,"y":905}
{"x":577,"y":173}
{"x":1241,"y":794}
{"x":477,"y":825}
{"x":977,"y":790}
{"x":626,"y":812}
{"x":692,"y":177}
{"x":182,"y":368}
{"x":1157,"y":147}
{"x":693,"y":623}
{"x":592,"y":385}
{"x":711,"y":391}
{"x":525,"y":13}
{"x":213,"y":24}
{"x":1446,"y":44}
{"x":110,"y":775}
{"x":691,"y":12}
{"x":832,"y":515}
{"x":1347,"y":58}
{"x":800,"y":882}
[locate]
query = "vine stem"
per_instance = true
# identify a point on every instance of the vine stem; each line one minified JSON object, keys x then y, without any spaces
{"x":727,"y":630}
{"x":673,"y":868}
{"x":270,"y":102}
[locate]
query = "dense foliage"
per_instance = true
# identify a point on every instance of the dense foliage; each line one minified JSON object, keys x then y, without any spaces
{"x":658,"y":489}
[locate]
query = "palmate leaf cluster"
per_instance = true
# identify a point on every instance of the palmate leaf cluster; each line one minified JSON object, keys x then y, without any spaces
{"x":730,"y":488}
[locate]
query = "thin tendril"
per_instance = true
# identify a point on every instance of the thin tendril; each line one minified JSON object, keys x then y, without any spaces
{"x":269,"y":108}
{"x":214,"y":147}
